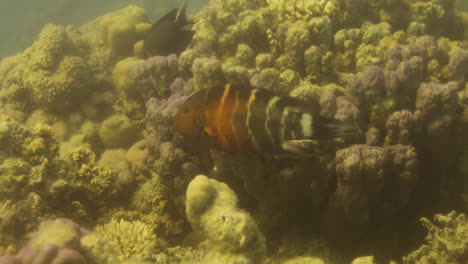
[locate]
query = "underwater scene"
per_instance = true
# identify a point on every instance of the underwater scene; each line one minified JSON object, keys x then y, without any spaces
{"x":234,"y":132}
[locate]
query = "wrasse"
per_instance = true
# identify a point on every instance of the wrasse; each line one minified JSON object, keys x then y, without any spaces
{"x":245,"y":119}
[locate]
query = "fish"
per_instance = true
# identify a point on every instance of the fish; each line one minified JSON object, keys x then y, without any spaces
{"x":171,"y":34}
{"x":238,"y":119}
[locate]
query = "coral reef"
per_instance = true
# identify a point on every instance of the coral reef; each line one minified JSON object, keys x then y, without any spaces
{"x":51,"y":72}
{"x":233,"y":236}
{"x":56,"y":241}
{"x":129,"y":239}
{"x":446,"y":241}
{"x":153,"y":77}
{"x":119,"y":31}
{"x":86,"y":133}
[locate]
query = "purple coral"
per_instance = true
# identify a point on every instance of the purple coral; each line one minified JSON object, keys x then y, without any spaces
{"x":9,"y":259}
{"x":436,"y":105}
{"x":154,"y":76}
{"x":401,"y":174}
{"x":59,"y":245}
{"x":400,"y":128}
{"x":436,"y":100}
{"x":373,"y":78}
{"x":371,"y":182}
{"x":160,"y":113}
{"x":425,"y":47}
{"x":360,"y":181}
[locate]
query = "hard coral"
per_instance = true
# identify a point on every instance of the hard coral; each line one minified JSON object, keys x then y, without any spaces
{"x":52,"y":71}
{"x":17,"y":217}
{"x":129,"y":239}
{"x":119,"y":131}
{"x":446,"y":241}
{"x":115,"y":160}
{"x":367,"y":175}
{"x":122,"y":77}
{"x":304,"y":260}
{"x":153,"y":77}
{"x":121,"y":30}
{"x":360,"y":181}
{"x":233,"y":236}
{"x":56,"y":241}
{"x":83,"y":186}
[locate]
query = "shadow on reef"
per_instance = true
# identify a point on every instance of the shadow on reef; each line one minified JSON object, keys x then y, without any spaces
{"x":86,"y":133}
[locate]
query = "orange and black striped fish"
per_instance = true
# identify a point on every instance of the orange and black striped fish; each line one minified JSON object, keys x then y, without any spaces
{"x":247,"y":119}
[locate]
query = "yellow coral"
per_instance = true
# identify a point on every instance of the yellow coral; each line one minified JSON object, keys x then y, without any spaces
{"x":121,"y":74}
{"x":58,"y":232}
{"x":129,"y":239}
{"x":119,"y":131}
{"x":120,"y":30}
{"x":43,"y":147}
{"x":48,"y":50}
{"x":139,"y":50}
{"x":300,"y":9}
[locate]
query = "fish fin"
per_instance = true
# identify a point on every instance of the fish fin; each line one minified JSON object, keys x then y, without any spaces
{"x":170,"y":16}
{"x":181,"y":16}
{"x":183,"y":40}
{"x":329,"y":128}
{"x":300,"y":147}
{"x":156,"y":40}
{"x":210,"y":131}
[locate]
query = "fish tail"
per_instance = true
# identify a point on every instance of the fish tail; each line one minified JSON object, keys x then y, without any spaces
{"x":329,"y":128}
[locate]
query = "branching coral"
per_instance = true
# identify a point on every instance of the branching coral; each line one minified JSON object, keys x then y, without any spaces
{"x":153,"y":77}
{"x":446,"y":241}
{"x":129,"y":239}
{"x":17,"y":217}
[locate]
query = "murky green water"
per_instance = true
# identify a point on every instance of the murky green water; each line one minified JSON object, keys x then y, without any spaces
{"x":22,"y":20}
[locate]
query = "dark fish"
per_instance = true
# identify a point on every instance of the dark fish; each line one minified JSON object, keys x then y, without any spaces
{"x":169,"y":35}
{"x":245,"y":119}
